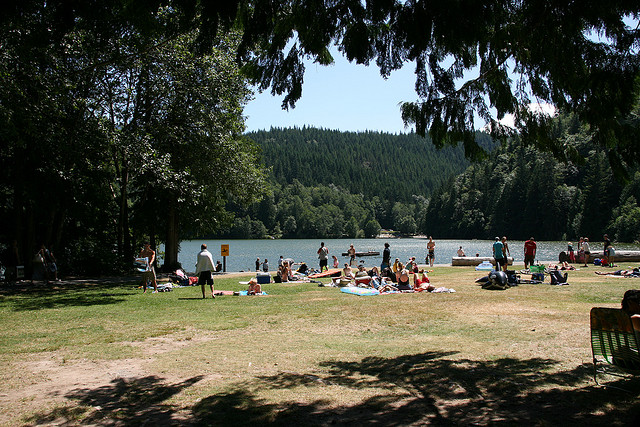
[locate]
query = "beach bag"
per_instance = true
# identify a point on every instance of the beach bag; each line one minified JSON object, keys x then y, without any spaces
{"x":538,"y":276}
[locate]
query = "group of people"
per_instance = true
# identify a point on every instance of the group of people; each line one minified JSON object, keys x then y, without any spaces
{"x":323,"y":254}
{"x":501,"y":253}
{"x":44,"y":264}
{"x":264,"y":265}
{"x":385,"y":280}
{"x":584,"y":252}
{"x":204,"y":269}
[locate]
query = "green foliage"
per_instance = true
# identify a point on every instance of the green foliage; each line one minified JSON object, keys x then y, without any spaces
{"x":485,"y":59}
{"x":625,"y":225}
{"x":392,"y":167}
{"x":522,"y":192}
{"x":331,"y":184}
{"x":113,"y":129}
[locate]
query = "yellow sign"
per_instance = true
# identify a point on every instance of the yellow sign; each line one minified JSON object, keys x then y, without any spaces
{"x":224,"y":250}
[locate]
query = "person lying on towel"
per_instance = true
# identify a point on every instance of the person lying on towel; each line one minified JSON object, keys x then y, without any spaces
{"x":421,"y":282}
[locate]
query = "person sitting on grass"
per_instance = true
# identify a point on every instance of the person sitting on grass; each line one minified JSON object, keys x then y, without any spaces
{"x":345,"y":278}
{"x":558,"y":278}
{"x":303,"y":269}
{"x":402,"y":278}
{"x":421,"y":282}
{"x":412,"y":265}
{"x":284,"y":272}
{"x":254,"y":287}
{"x":361,"y":276}
{"x":375,"y":277}
{"x":631,"y":305}
{"x":631,"y":302}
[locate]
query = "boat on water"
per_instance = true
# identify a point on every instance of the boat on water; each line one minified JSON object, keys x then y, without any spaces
{"x":359,"y":254}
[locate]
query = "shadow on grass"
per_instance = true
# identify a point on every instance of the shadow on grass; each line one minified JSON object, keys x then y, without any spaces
{"x":37,"y":296}
{"x":139,"y":401}
{"x":427,"y":388}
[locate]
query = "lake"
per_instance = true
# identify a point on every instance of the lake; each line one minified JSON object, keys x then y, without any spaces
{"x":243,"y":253}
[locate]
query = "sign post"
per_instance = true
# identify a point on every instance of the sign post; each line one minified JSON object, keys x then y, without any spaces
{"x":224,"y":252}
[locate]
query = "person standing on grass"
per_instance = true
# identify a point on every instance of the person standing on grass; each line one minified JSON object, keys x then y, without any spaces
{"x":530,"y":248}
{"x":386,"y":257}
{"x":431,"y":247}
{"x":507,"y":252}
{"x":498,"y":254}
{"x":587,"y":250}
{"x":607,"y":250}
{"x":352,"y":255}
{"x":150,"y":273}
{"x":323,"y":256}
{"x":258,"y":264}
{"x":204,"y":267}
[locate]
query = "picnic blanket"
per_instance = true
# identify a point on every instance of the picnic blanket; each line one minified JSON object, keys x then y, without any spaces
{"x":236,"y":293}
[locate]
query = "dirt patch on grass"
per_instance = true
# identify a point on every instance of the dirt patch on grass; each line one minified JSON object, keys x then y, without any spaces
{"x":51,"y":381}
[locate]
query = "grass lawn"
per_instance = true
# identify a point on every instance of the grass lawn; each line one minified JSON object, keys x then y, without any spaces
{"x":106,"y":354}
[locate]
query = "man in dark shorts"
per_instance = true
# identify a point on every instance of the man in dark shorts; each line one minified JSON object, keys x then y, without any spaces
{"x":498,"y":254}
{"x":323,"y":256}
{"x":431,"y":247}
{"x":149,"y":275}
{"x":530,"y":248}
{"x":204,"y":267}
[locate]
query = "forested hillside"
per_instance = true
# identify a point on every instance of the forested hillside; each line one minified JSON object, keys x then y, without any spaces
{"x":392,"y":167}
{"x":327,"y":183}
{"x":521,"y":192}
{"x":333,"y":184}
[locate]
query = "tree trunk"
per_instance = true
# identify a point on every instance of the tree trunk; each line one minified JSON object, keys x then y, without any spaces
{"x":172,"y":242}
{"x":127,"y":248}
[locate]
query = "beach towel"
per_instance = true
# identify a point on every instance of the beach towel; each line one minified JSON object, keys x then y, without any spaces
{"x":327,"y":273}
{"x":359,"y":291}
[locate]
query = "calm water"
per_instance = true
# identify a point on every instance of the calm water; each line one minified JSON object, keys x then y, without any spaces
{"x":243,"y":253}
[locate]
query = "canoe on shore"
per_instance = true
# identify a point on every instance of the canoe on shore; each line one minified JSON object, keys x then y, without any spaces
{"x":368,"y":253}
{"x":475,"y":260}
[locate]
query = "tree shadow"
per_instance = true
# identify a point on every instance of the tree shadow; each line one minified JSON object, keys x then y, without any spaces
{"x":430,"y":388}
{"x":38,"y":296}
{"x":135,"y":401}
{"x":417,"y":389}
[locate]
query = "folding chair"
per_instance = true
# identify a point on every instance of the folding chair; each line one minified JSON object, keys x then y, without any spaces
{"x":613,"y":340}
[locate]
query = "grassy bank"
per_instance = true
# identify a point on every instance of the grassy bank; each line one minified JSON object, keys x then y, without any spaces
{"x":105,"y":353}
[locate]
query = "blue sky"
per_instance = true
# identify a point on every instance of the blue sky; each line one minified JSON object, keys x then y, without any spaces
{"x":343,"y":96}
{"x":350,"y":97}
